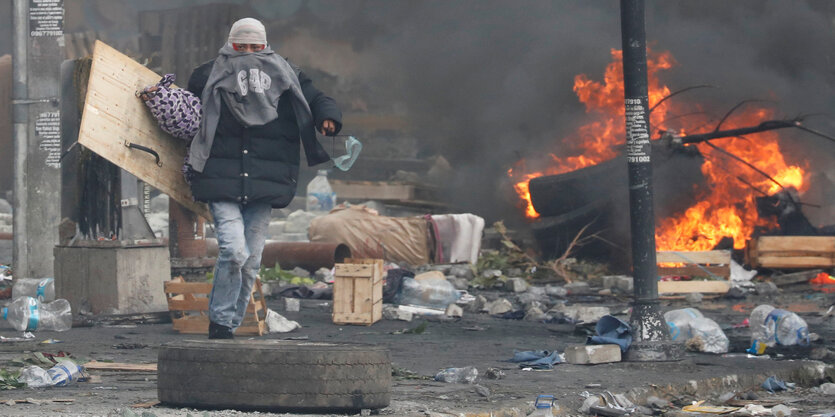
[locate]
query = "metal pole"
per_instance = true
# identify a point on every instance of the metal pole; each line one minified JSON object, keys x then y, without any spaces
{"x":652,"y":339}
{"x":20,"y":117}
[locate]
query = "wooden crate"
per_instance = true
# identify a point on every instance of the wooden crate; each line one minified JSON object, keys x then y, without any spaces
{"x":358,"y":291}
{"x":188,"y":303}
{"x":789,"y":252}
{"x":705,"y":263}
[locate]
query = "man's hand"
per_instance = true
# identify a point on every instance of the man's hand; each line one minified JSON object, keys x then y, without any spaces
{"x":147,"y":94}
{"x":328,"y":127}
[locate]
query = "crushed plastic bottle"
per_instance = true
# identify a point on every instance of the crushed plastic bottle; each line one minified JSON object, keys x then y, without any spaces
{"x":41,"y":288}
{"x":543,"y":406}
{"x":432,"y":293}
{"x":711,"y":335}
{"x":65,"y":372}
{"x":786,"y":328}
{"x":320,"y":195}
{"x":756,"y":321}
{"x":35,"y":377}
{"x":466,"y":375}
{"x":27,"y":314}
{"x":678,"y":322}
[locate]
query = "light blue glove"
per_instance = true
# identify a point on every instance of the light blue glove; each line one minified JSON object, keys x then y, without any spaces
{"x":352,"y":151}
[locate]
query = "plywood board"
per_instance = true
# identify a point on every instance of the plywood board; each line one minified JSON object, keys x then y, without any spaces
{"x":114,"y":117}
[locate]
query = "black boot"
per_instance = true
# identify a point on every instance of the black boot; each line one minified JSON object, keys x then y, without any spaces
{"x":217,"y":331}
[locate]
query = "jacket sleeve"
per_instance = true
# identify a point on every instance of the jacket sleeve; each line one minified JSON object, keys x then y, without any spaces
{"x":322,"y":106}
{"x":199,"y":77}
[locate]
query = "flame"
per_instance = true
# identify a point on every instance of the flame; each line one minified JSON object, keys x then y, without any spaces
{"x":725,"y":207}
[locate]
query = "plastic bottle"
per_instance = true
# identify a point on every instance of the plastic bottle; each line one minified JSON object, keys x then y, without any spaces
{"x":320,"y":195}
{"x":679,"y":323}
{"x":786,"y":328}
{"x":35,"y":377}
{"x":432,"y":293}
{"x":27,"y":314}
{"x":64,"y":373}
{"x":543,"y":406}
{"x":756,"y":321}
{"x":41,"y":288}
{"x":713,"y":338}
{"x":465,"y":375}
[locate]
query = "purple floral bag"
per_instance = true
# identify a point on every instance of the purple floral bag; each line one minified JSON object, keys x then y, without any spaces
{"x":177,"y":111}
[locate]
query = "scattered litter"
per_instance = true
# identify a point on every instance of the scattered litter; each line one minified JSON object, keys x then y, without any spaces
{"x":698,"y":407}
{"x":537,"y":359}
{"x":781,"y":411}
{"x":773,"y":384}
{"x":594,"y":385}
{"x":422,"y":311}
{"x":606,"y":403}
{"x":466,"y":375}
{"x":494,"y":373}
{"x":482,"y":390}
{"x":408,"y":374}
{"x":35,"y":377}
{"x":129,"y":346}
{"x":115,"y":366}
{"x":827,"y":389}
{"x":612,"y":330}
{"x":419,"y":329}
{"x":276,"y":323}
{"x":543,"y":405}
{"x":475,"y":328}
{"x":10,"y":380}
{"x":147,"y":404}
{"x":37,"y":402}
{"x":755,"y":410}
{"x":296,"y":338}
{"x":50,"y":342}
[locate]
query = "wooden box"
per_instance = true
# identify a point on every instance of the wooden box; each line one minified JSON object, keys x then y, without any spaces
{"x":358,"y":291}
{"x":188,"y":303}
{"x":715,"y":264}
{"x":787,"y":252}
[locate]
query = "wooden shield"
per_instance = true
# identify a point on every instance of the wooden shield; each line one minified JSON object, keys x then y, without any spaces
{"x":116,"y":125}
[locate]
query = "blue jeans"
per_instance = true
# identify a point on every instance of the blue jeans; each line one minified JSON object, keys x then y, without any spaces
{"x":241,"y":232}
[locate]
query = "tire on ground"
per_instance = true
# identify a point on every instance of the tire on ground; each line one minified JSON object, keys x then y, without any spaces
{"x":274,"y":375}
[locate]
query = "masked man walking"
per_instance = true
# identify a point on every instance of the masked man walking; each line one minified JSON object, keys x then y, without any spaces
{"x":244,"y":160}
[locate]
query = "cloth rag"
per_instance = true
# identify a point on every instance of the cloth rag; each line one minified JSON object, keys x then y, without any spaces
{"x":612,"y":330}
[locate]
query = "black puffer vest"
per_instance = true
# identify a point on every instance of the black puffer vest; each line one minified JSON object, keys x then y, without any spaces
{"x":259,"y":163}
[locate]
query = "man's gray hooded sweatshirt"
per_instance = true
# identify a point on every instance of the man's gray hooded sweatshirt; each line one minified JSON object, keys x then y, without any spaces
{"x":256,"y":107}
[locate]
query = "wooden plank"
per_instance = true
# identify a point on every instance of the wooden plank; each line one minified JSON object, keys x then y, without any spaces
{"x":116,"y":366}
{"x":114,"y":116}
{"x":716,"y":257}
{"x":695,"y":271}
{"x":188,"y":287}
{"x":772,"y":261}
{"x":693,"y":286}
{"x":199,"y":304}
{"x":795,"y":243}
{"x":352,"y":270}
{"x":794,"y":278}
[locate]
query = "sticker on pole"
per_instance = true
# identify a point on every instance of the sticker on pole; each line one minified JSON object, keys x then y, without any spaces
{"x":638,"y":145}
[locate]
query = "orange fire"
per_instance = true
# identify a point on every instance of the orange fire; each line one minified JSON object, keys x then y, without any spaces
{"x":726,"y":206}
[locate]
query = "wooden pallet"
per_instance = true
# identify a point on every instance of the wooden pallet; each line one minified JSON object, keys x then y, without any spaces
{"x":188,"y":303}
{"x":358,"y":291}
{"x":791,"y":252}
{"x":714,"y":264}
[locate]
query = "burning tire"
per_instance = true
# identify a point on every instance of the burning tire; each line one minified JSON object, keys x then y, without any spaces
{"x":274,"y":375}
